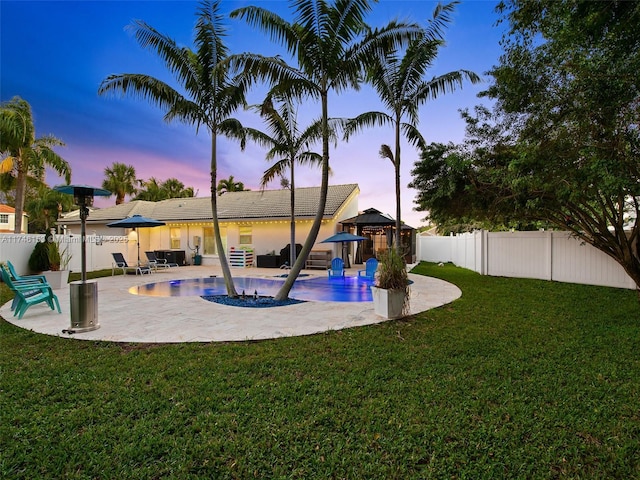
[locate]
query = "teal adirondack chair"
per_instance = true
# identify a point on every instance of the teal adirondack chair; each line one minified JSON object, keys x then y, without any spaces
{"x":28,"y":293}
{"x":30,"y":278}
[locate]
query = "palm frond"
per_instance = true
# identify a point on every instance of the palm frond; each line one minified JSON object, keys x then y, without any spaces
{"x":442,"y":84}
{"x":366,"y":120}
{"x":385,"y":152}
{"x":262,"y":139}
{"x":210,"y":33}
{"x":441,"y":18}
{"x":232,"y":128}
{"x":279,"y":30}
{"x":278,"y":169}
{"x":142,"y":87}
{"x":413,"y":136}
{"x":16,"y":125}
{"x":175,"y":58}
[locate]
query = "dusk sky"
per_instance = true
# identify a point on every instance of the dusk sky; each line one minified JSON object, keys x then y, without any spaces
{"x":54,"y":54}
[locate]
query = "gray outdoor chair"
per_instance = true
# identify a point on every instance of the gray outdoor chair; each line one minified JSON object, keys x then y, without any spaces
{"x":120,"y":263}
{"x":156,"y":262}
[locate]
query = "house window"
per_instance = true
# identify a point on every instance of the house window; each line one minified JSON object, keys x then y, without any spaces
{"x":175,"y":237}
{"x":245,"y":236}
{"x":209,"y":241}
{"x":4,"y":218}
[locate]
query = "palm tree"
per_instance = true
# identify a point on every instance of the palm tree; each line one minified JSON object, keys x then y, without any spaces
{"x":230,"y":185}
{"x":174,"y":188}
{"x":120,"y":180}
{"x":399,"y":82}
{"x":29,"y":155}
{"x":289,"y":145}
{"x":332,"y":45}
{"x":153,"y":191}
{"x":45,"y":206}
{"x":149,"y":190}
{"x":211,"y":94}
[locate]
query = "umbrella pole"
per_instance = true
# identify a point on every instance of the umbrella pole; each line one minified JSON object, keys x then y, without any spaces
{"x":138,"y":243}
{"x":345,"y":253}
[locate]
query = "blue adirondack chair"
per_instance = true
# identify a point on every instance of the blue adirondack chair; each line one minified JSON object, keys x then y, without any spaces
{"x":29,"y":293}
{"x":337,"y":268}
{"x":370,"y":268}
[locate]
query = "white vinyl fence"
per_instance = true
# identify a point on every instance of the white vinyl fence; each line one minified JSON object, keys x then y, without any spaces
{"x":544,"y":255}
{"x":17,"y":249}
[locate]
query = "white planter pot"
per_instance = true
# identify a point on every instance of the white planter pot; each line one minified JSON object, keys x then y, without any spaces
{"x":58,"y":279}
{"x":388,"y":303}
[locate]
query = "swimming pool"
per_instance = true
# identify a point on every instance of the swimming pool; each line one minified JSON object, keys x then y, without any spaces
{"x":323,"y":289}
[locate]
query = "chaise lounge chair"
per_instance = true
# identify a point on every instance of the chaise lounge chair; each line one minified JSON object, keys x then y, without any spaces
{"x":370,"y":268}
{"x":156,"y":262}
{"x":120,"y":262}
{"x":337,"y":268}
{"x":28,"y":293}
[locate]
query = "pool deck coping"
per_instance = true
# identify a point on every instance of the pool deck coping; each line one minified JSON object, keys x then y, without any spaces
{"x":124,"y":317}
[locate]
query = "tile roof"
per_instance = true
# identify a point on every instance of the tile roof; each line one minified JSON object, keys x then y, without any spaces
{"x":232,"y":206}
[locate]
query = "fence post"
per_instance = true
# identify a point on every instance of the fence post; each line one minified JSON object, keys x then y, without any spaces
{"x":549,"y":239}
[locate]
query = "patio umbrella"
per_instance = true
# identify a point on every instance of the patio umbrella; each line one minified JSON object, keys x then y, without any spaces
{"x":344,"y":237}
{"x":136,"y":221}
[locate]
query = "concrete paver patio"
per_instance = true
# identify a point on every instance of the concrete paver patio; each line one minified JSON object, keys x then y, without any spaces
{"x":124,"y":317}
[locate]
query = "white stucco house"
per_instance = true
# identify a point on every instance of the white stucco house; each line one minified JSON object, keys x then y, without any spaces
{"x":251,"y":220}
{"x":7,"y":219}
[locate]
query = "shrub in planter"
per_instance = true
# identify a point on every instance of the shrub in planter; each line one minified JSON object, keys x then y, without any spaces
{"x":39,"y":259}
{"x":391,"y":289}
{"x":54,"y":256}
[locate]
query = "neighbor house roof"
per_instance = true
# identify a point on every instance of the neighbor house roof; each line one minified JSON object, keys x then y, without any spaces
{"x":232,"y":206}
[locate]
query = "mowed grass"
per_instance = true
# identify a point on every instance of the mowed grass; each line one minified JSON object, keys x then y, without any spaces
{"x":516,"y":379}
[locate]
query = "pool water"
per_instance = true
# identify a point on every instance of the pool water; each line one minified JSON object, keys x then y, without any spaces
{"x":323,"y":289}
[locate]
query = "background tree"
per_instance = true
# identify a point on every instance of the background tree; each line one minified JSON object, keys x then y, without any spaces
{"x":120,"y":180}
{"x":28,"y":155}
{"x":149,"y":190}
{"x":398,"y":78}
{"x":568,"y":83}
{"x":463,"y":187}
{"x":154,"y":191}
{"x":230,"y":185}
{"x":288,"y":145}
{"x":211,"y":93}
{"x":174,"y":188}
{"x":44,"y":207}
{"x":332,"y":45}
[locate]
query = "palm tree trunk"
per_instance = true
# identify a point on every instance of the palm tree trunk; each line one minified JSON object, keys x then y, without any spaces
{"x":283,"y":293}
{"x":292,"y":185}
{"x":224,"y":265}
{"x":396,"y":165}
{"x":21,"y":182}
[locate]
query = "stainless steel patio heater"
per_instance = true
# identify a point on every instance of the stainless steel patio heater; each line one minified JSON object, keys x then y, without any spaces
{"x":83,"y":294}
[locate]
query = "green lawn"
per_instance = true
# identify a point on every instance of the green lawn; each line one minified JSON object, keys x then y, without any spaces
{"x":516,"y":379}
